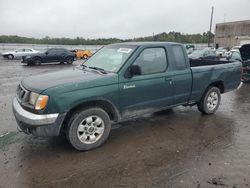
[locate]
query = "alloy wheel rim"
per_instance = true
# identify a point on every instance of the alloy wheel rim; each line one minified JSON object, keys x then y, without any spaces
{"x":212,"y":101}
{"x":90,"y":130}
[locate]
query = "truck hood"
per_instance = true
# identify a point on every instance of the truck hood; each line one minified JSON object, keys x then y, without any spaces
{"x":77,"y":75}
{"x":245,"y":52}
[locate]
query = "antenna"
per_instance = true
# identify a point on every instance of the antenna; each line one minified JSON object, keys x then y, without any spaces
{"x":211,"y":21}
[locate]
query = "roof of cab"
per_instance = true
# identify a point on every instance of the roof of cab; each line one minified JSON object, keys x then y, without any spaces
{"x":145,"y":43}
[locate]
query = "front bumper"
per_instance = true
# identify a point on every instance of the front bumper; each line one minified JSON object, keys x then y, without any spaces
{"x":37,"y":124}
{"x":24,"y":60}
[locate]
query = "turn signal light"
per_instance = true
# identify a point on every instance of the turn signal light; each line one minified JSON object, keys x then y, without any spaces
{"x":41,"y":102}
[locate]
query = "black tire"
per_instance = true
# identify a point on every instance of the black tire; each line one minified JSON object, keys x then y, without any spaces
{"x":37,"y":61}
{"x":10,"y":56}
{"x":78,"y":119}
{"x":69,"y":60}
{"x":30,"y":64}
{"x":210,"y":108}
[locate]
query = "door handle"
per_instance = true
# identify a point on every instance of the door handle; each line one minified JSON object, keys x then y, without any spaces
{"x":168,"y":79}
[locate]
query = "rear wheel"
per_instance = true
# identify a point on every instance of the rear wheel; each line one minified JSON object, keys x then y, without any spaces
{"x":10,"y":56}
{"x":210,"y":101}
{"x":88,"y":128}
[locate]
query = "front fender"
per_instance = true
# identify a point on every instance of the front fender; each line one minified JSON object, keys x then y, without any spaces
{"x":65,"y":101}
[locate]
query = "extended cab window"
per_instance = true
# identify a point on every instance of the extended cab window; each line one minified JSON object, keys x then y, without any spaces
{"x":152,"y":60}
{"x":180,"y":61}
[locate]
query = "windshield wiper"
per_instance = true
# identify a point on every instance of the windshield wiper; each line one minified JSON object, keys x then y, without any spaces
{"x":83,"y":66}
{"x":100,"y":69}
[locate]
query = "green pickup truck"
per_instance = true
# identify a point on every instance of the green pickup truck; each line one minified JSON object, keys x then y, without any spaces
{"x":121,"y":81}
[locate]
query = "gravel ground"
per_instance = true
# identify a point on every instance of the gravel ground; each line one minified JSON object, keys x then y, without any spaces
{"x":174,"y":148}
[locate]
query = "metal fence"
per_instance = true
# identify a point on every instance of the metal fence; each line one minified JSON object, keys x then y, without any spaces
{"x":12,"y":46}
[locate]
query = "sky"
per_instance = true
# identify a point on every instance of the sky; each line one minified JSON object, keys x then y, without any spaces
{"x":115,"y":18}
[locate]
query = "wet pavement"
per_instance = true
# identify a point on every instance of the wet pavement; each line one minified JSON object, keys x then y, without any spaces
{"x":174,"y":148}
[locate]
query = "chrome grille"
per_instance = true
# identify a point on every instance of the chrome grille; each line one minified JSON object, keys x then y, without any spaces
{"x":22,"y":94}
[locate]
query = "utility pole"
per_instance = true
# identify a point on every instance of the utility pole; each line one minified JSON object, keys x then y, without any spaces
{"x":211,"y":22}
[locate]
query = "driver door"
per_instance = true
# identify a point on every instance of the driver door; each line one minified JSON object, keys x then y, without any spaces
{"x":50,"y":55}
{"x":149,"y":91}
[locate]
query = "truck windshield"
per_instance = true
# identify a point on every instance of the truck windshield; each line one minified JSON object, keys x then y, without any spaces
{"x":110,"y":58}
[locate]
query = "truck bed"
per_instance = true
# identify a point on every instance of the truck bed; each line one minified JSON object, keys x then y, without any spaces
{"x":201,"y":62}
{"x":205,"y":72}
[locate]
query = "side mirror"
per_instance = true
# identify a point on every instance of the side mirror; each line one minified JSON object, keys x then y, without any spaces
{"x":46,"y":53}
{"x":132,"y":71}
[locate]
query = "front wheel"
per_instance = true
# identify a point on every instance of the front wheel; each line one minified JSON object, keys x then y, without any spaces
{"x":37,"y":61}
{"x":210,"y":101}
{"x":88,"y":128}
{"x":69,"y":60}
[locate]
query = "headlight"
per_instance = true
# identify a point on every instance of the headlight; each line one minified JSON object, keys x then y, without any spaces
{"x":33,"y":98}
{"x":38,"y":101}
{"x":27,"y":57}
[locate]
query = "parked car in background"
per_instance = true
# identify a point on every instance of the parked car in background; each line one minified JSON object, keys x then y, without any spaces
{"x":229,"y":53}
{"x":18,"y":53}
{"x":221,"y":52}
{"x":245,"y":56}
{"x":235,"y":56}
{"x":50,"y":55}
{"x":83,"y":54}
{"x":204,"y":54}
{"x":190,"y":50}
{"x":121,"y":81}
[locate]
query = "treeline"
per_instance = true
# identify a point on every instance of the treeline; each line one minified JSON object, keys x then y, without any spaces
{"x":171,"y":36}
{"x":178,"y":37}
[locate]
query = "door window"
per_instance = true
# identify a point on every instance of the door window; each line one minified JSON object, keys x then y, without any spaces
{"x":51,"y":51}
{"x":180,"y":60}
{"x":20,"y":50}
{"x":152,"y":60}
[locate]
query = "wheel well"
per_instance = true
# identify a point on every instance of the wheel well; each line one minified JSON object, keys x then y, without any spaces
{"x":105,"y":105}
{"x":218,"y":84}
{"x":69,"y":57}
{"x":38,"y":57}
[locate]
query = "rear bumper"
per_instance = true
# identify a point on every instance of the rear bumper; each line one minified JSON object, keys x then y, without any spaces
{"x":37,"y":124}
{"x":246,"y":74}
